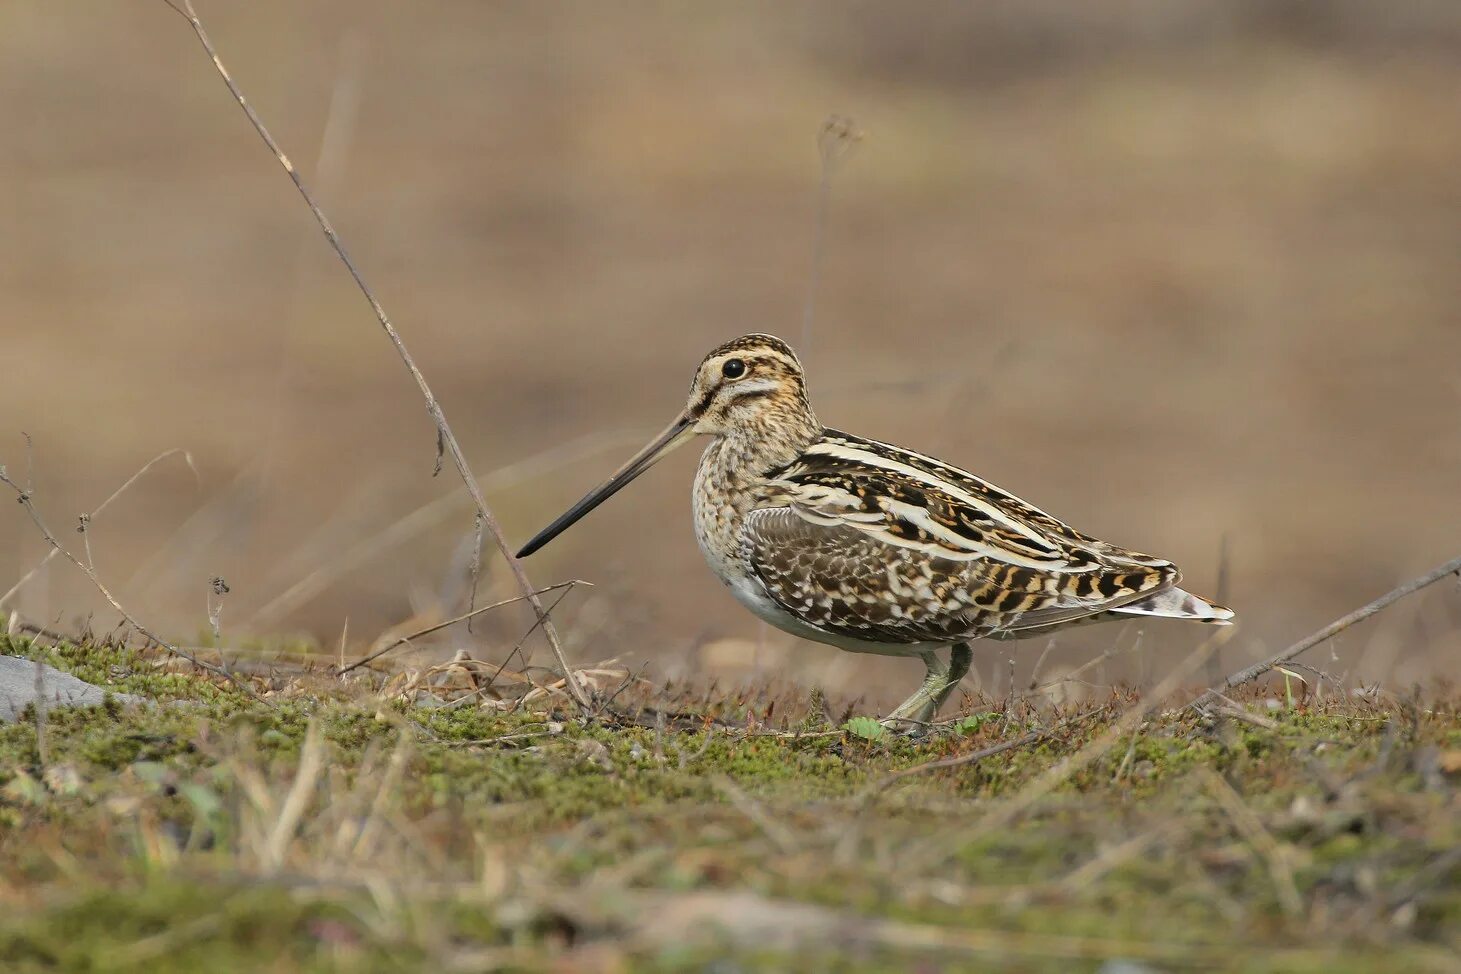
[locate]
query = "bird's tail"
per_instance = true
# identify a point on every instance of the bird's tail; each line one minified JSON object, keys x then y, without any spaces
{"x":1176,"y":603}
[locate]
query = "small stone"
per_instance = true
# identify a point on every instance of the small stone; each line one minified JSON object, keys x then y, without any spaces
{"x":595,"y":753}
{"x":18,"y":678}
{"x":62,"y":779}
{"x":1120,"y":965}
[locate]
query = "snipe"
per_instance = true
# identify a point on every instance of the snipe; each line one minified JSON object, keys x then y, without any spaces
{"x":873,"y":548}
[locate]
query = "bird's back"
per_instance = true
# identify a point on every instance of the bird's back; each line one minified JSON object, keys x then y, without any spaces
{"x":870,"y":541}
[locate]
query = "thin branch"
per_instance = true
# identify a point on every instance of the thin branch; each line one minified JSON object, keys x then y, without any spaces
{"x":836,"y":139}
{"x":18,"y":625}
{"x":1039,"y":662}
{"x":187,"y":458}
{"x":26,"y":501}
{"x":1073,"y":676}
{"x":445,"y":437}
{"x":476,"y":564}
{"x":1006,"y":811}
{"x":297,"y":801}
{"x":404,"y":640}
{"x":1213,"y":670}
{"x":781,"y":837}
{"x":1452,"y":567}
{"x":429,"y":514}
{"x":517,"y":647}
{"x":959,"y":760}
{"x":43,"y":752}
{"x":1253,"y":832}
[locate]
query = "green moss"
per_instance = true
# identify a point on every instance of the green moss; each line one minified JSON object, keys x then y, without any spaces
{"x":133,"y":837}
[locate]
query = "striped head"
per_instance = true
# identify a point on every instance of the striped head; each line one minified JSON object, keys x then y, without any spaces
{"x":749,"y":391}
{"x":750,"y":385}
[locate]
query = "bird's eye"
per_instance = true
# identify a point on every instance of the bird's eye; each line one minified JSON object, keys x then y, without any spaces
{"x":733,"y":368}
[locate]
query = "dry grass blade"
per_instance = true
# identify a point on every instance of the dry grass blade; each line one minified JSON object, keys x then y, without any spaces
{"x":1433,"y":873}
{"x":311,"y":763}
{"x":1006,"y":811}
{"x":779,"y":835}
{"x":406,"y":640}
{"x":1229,"y":709}
{"x":745,"y":919}
{"x":27,"y":501}
{"x":167,"y":940}
{"x":42,"y":752}
{"x":1451,"y":567}
{"x":390,"y":781}
{"x":1088,"y":873}
{"x":959,"y":760}
{"x":836,"y":139}
{"x":446,"y":439}
{"x":427,"y":516}
{"x":1246,"y":821}
{"x":92,"y":515}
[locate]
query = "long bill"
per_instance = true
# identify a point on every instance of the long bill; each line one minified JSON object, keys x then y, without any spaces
{"x":674,"y":435}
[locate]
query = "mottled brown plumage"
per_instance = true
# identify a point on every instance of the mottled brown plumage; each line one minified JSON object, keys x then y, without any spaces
{"x":874,"y":548}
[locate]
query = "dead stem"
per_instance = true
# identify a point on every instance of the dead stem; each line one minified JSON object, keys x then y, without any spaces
{"x":405,"y":640}
{"x":446,"y":440}
{"x":26,"y":498}
{"x":1452,"y":567}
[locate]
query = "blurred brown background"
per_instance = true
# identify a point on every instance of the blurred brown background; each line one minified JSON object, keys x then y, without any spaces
{"x":1169,"y":271}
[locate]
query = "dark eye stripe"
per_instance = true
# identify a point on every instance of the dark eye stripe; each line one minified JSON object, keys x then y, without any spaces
{"x":750,"y":394}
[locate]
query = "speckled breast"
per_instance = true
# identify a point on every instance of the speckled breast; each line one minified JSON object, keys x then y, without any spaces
{"x":718,"y":510}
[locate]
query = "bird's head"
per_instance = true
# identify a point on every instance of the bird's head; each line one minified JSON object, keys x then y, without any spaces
{"x":750,"y":388}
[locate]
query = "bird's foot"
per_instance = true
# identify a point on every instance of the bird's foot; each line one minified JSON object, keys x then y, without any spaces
{"x":905,"y":726}
{"x":913,"y":718}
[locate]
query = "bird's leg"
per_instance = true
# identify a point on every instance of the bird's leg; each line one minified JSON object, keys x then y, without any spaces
{"x":960,"y":655}
{"x":914,"y":713}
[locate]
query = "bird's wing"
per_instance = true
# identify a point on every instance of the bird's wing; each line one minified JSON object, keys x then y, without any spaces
{"x":873,"y":542}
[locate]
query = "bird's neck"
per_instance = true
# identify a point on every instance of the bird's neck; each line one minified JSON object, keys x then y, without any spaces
{"x":772,"y":439}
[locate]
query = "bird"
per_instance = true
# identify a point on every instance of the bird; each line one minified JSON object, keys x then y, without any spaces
{"x":874,"y":548}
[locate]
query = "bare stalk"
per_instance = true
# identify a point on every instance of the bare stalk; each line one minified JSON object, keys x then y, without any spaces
{"x":88,"y":518}
{"x":26,"y":501}
{"x":43,"y":753}
{"x":1253,"y":831}
{"x":464,"y":617}
{"x":1452,"y":567}
{"x":1006,"y":811}
{"x":837,"y":138}
{"x":445,"y":439}
{"x":433,"y":512}
{"x":301,"y":792}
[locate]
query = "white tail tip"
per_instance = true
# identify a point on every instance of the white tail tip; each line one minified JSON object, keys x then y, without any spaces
{"x":1176,"y":603}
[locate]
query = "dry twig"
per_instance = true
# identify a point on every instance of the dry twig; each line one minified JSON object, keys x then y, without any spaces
{"x":301,"y":793}
{"x":91,"y":516}
{"x":43,"y":752}
{"x":336,"y":564}
{"x":1091,"y":871}
{"x":780,"y":836}
{"x":26,"y":499}
{"x":836,"y":139}
{"x":446,"y":441}
{"x":973,"y":757}
{"x":1251,"y":828}
{"x":1006,"y":811}
{"x":1452,"y":567}
{"x":405,"y":640}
